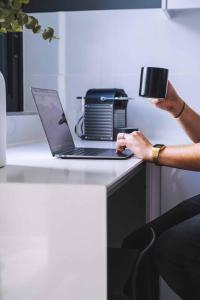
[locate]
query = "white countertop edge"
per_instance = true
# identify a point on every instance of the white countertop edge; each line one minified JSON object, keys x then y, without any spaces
{"x":33,"y":163}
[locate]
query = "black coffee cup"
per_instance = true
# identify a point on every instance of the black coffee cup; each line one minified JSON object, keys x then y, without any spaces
{"x":153,"y":82}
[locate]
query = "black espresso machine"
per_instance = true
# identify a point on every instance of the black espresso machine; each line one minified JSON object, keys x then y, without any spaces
{"x":104,"y":114}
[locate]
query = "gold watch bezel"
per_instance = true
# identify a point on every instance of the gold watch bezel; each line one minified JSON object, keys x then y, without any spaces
{"x":155,"y":152}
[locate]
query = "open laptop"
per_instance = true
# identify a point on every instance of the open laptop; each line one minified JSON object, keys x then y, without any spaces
{"x":58,"y":133}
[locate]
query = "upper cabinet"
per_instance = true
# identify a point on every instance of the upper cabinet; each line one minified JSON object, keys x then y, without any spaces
{"x":171,"y":7}
{"x":74,"y":5}
{"x":183,"y":4}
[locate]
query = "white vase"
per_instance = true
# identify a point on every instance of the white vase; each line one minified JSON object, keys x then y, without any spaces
{"x":2,"y":121}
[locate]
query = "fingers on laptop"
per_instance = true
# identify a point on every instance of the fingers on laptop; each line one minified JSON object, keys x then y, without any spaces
{"x":121,"y":142}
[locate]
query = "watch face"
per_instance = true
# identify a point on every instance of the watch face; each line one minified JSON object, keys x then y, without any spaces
{"x":158,"y":145}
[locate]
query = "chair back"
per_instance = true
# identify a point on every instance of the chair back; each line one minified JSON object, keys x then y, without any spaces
{"x":127,"y":269}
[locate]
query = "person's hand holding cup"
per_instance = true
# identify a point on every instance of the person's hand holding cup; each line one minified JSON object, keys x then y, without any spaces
{"x":154,"y":85}
{"x":172,"y":102}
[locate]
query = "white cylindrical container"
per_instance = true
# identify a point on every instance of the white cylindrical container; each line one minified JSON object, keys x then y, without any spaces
{"x":2,"y":121}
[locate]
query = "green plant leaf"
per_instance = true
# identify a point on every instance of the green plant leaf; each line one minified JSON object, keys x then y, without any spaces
{"x":2,"y":4}
{"x":37,"y":29}
{"x":5,"y":12}
{"x":16,"y":4}
{"x":32,"y":22}
{"x":48,"y":34}
{"x":16,"y":27}
{"x":3,"y":30}
{"x":24,"y":1}
{"x":22,"y":18}
{"x":13,"y":19}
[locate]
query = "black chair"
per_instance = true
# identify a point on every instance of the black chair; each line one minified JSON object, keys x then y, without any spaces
{"x":129,"y":271}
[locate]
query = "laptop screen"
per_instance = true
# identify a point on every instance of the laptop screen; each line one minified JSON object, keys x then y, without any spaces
{"x":53,"y":120}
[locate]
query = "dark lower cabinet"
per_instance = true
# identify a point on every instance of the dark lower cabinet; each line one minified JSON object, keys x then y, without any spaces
{"x":74,"y":5}
{"x":126,"y":209}
{"x":11,"y":66}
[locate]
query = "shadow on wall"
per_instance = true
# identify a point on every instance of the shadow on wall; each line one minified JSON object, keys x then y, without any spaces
{"x":187,"y":18}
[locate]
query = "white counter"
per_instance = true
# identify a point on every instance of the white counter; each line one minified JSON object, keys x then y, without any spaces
{"x":53,"y":216}
{"x":34,"y":164}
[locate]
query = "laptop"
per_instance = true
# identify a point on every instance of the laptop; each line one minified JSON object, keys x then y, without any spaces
{"x":58,"y":132}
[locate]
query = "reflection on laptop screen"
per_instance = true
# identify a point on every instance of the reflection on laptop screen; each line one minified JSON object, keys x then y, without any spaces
{"x":53,"y":120}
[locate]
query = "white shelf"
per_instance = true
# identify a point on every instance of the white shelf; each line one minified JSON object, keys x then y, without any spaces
{"x":172,"y":7}
{"x":164,"y":8}
{"x":183,"y":4}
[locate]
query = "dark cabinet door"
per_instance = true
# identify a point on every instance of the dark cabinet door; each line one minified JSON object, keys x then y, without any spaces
{"x":11,"y":65}
{"x":73,"y":5}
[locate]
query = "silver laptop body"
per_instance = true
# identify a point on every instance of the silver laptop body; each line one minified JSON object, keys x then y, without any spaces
{"x":58,"y":133}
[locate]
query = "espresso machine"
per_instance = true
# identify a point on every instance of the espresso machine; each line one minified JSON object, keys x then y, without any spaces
{"x":104,"y":114}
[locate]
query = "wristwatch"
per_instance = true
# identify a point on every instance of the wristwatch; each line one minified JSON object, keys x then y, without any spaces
{"x":155,"y":152}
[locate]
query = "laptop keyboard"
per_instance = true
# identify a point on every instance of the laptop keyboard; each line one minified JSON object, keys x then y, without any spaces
{"x":86,"y":151}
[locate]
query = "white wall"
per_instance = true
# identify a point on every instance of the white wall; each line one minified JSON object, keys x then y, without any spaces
{"x":24,"y":129}
{"x":44,"y":62}
{"x":108,"y":48}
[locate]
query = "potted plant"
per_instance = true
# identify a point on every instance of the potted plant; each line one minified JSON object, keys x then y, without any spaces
{"x":14,"y":19}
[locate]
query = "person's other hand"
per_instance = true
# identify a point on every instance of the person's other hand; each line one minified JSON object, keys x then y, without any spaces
{"x":137,"y":143}
{"x":172,"y":103}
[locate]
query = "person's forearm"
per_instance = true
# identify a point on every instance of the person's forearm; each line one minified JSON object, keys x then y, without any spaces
{"x":190,"y":121}
{"x":182,"y":157}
